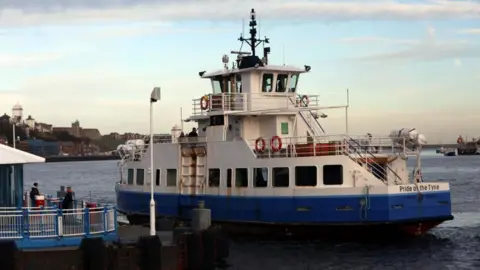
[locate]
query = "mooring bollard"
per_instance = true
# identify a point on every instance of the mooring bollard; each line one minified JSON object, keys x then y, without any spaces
{"x":201,"y":217}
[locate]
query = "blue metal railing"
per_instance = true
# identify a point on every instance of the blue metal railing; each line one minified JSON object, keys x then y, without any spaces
{"x":51,"y":222}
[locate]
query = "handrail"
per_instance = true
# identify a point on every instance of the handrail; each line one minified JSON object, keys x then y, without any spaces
{"x":318,"y":123}
{"x":372,"y":155}
{"x":54,"y":223}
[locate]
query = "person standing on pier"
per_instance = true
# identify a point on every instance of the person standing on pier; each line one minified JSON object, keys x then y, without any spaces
{"x":33,"y":193}
{"x":67,"y":202}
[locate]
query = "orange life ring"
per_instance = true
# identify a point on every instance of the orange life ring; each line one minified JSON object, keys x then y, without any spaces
{"x":204,"y":103}
{"x":260,"y":145}
{"x":279,"y":143}
{"x":305,"y":100}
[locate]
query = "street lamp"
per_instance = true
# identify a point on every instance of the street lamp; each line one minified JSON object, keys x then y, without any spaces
{"x":154,"y":97}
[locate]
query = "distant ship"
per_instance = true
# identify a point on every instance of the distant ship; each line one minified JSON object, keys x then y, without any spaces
{"x":467,"y":148}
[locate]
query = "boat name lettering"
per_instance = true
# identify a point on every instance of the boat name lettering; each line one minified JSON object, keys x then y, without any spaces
{"x":424,"y":187}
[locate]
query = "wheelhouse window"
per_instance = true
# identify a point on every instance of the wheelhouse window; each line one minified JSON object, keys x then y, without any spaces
{"x":332,"y":175}
{"x":214,"y":177}
{"x":157,"y":177}
{"x":171,"y":177}
{"x":260,"y":177}
{"x":229,"y":177}
{"x":306,"y":176}
{"x":293,"y":83}
{"x":282,"y":80}
{"x":140,"y":177}
{"x":241,"y":177}
{"x":238,"y":83}
{"x":267,"y":83}
{"x":130,"y":174}
{"x":217,"y":84}
{"x":280,"y":177}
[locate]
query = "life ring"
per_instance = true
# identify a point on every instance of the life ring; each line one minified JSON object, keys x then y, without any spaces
{"x":459,"y":140}
{"x":278,"y":142}
{"x":305,"y":100}
{"x":204,"y":102}
{"x":260,"y":145}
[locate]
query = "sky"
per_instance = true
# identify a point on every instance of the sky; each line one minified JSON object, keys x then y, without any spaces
{"x":405,"y":63}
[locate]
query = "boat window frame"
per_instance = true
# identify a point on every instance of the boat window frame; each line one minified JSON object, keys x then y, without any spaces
{"x":209,"y":182}
{"x":168,"y":179}
{"x":273,"y":177}
{"x":265,"y":77}
{"x":130,"y":177}
{"x":140,"y":177}
{"x":332,"y":183}
{"x":315,"y":174}
{"x":254,"y":177}
{"x":157,"y":177}
{"x":245,"y":173}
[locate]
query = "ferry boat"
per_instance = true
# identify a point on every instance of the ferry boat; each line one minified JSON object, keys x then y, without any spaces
{"x":262,"y":162}
{"x":42,"y":224}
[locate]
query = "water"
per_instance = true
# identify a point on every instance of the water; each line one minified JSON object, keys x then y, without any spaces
{"x":453,"y":245}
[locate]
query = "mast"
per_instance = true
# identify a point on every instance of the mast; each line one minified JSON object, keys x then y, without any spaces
{"x":253,"y":41}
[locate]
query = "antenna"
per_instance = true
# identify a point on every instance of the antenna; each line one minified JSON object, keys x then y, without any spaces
{"x":253,"y":41}
{"x":283,"y":54}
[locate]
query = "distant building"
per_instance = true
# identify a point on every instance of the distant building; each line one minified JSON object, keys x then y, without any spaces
{"x":30,"y":122}
{"x":44,"y":128}
{"x":77,"y":131}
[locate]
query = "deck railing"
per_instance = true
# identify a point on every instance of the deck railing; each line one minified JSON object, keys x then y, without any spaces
{"x":252,"y":102}
{"x":50,"y":222}
{"x":328,"y":145}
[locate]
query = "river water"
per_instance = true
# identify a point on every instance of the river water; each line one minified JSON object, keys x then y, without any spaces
{"x":453,"y":245}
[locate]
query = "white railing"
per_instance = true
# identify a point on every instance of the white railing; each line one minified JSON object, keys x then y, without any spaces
{"x":328,"y":145}
{"x":54,"y":223}
{"x":248,"y":102}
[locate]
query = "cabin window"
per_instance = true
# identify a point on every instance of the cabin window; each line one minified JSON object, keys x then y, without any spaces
{"x":214,"y":177}
{"x":267,"y":83}
{"x":306,"y":176}
{"x":217,"y":85}
{"x":171,"y":177}
{"x":238,"y":82}
{"x":293,"y":83}
{"x":260,"y":177}
{"x":157,"y":177}
{"x":229,"y":178}
{"x":140,"y":177}
{"x":280,"y":177}
{"x":217,"y":120}
{"x":332,"y":174}
{"x":241,"y":177}
{"x":130,"y":176}
{"x":281,"y":83}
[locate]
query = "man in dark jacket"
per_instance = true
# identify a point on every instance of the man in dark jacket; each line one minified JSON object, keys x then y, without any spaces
{"x":34,"y":192}
{"x":67,"y":202}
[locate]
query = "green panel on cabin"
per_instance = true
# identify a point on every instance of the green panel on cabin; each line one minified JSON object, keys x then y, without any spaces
{"x":284,"y":127}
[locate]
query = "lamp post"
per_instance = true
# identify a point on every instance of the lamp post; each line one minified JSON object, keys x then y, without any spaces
{"x":154,"y":97}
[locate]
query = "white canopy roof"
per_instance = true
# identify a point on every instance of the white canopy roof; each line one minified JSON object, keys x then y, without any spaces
{"x":9,"y":155}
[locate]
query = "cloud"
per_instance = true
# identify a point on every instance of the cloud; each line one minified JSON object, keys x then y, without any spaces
{"x":27,"y":60}
{"x":374,"y":39}
{"x":429,"y":49}
{"x":471,"y":31}
{"x":31,"y":13}
{"x":457,"y":62}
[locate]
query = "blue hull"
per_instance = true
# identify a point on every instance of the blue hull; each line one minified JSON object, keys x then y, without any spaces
{"x":329,"y":210}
